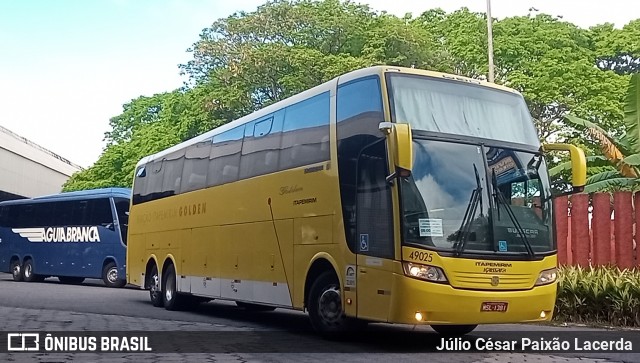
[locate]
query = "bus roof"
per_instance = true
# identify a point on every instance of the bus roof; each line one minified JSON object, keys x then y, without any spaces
{"x":91,"y":193}
{"x":347,"y":77}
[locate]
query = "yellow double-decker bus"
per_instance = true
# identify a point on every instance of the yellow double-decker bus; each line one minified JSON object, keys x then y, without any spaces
{"x":386,"y":194}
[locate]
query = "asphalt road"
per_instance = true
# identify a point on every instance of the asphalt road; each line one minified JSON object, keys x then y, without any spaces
{"x":53,"y":306}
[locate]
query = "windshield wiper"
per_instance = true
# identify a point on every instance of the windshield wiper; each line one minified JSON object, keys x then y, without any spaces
{"x":467,"y":220}
{"x":499,"y":198}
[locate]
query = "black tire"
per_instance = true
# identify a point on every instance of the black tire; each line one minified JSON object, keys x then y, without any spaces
{"x":254,"y":307}
{"x":110,"y":276}
{"x":16,"y":270}
{"x":453,"y":330}
{"x":155,"y":292}
{"x":325,"y":307}
{"x":71,"y":280}
{"x":27,"y":271}
{"x":171,"y":298}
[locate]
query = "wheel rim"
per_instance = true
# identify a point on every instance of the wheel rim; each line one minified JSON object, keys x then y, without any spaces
{"x":155,"y":284}
{"x":112,"y":275}
{"x":169,"y":293}
{"x":16,"y":270}
{"x":27,"y":271}
{"x":330,"y":305}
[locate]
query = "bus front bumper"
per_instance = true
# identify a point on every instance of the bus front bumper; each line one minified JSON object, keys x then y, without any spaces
{"x":443,"y":304}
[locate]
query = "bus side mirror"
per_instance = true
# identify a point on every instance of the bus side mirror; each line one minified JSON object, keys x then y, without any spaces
{"x":578,"y":165}
{"x":400,"y":146}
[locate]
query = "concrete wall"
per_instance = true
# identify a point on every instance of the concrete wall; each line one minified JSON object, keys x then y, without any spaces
{"x":29,"y":170}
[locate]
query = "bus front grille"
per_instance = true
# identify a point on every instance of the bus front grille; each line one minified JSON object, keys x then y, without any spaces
{"x":488,"y":281}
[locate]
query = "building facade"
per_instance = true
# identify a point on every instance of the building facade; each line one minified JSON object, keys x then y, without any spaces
{"x":29,"y":170}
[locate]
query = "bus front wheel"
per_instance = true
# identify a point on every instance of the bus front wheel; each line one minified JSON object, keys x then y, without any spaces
{"x":325,"y":305}
{"x":453,"y":330}
{"x":155,"y":293}
{"x":16,"y":270}
{"x":110,"y":276}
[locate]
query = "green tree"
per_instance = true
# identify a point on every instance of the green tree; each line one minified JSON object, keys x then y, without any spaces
{"x":460,"y":39}
{"x":285,"y":47}
{"x":617,"y":50}
{"x":620,"y":154}
{"x":147,"y":125}
{"x":252,"y":59}
{"x":551,"y":62}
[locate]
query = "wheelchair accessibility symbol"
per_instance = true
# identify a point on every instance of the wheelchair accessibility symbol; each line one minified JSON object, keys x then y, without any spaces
{"x":364,"y":242}
{"x":502,"y":246}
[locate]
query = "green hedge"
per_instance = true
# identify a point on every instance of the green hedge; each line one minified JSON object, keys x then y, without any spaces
{"x":601,"y":295}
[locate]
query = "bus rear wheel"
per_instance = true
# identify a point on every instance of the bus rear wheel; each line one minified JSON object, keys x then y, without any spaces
{"x":16,"y":270}
{"x":171,"y":298}
{"x":453,"y":330}
{"x":71,"y":280}
{"x":155,"y":293}
{"x":27,"y":271}
{"x":110,"y":276}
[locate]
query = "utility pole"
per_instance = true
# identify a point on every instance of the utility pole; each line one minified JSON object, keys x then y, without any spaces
{"x":490,"y":40}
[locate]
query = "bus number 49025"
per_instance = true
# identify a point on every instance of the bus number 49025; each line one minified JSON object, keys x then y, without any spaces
{"x":421,"y":256}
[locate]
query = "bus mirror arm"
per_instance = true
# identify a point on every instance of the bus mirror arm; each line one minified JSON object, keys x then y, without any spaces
{"x":399,"y":173}
{"x":391,"y":177}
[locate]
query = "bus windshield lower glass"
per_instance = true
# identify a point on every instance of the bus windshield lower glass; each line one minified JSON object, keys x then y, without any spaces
{"x":460,"y":108}
{"x":449,"y":204}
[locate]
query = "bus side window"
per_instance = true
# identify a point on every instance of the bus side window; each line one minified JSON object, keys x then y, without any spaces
{"x":99,"y":213}
{"x":196,"y":164}
{"x":24,"y":216}
{"x":305,"y":137}
{"x":153,"y":185}
{"x":13,"y":211}
{"x":80,"y":211}
{"x":43,"y":213}
{"x":172,"y":165}
{"x":122,"y":211}
{"x":224,"y":160}
{"x":140,"y":184}
{"x":359,"y":112}
{"x":261,"y":146}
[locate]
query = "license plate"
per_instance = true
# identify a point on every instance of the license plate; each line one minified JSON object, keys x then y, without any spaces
{"x":500,"y":307}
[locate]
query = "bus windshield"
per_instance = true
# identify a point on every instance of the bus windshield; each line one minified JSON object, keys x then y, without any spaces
{"x":466,"y":204}
{"x":461,"y":108}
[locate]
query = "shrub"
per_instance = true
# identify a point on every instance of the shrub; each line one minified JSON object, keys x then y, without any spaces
{"x":603,"y":295}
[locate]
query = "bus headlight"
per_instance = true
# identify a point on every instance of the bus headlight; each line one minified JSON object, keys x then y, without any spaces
{"x":424,"y":272}
{"x":547,"y":277}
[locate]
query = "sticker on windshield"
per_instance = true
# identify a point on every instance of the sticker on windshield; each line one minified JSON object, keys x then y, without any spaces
{"x":502,"y":246}
{"x":430,"y":227}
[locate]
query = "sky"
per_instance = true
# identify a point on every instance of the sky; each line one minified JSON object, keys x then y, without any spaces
{"x":68,"y":66}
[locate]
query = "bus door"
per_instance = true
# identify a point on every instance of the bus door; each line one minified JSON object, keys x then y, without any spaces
{"x":375,"y":248}
{"x":87,"y":254}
